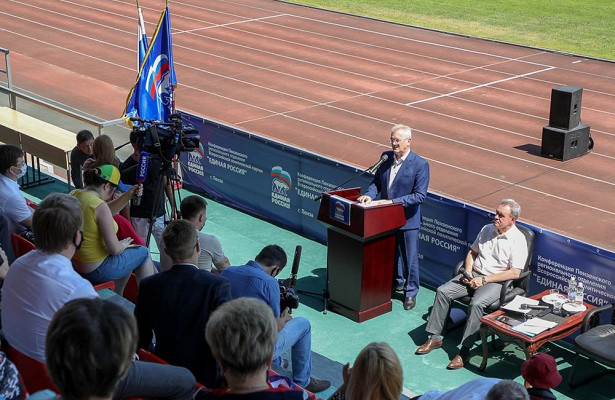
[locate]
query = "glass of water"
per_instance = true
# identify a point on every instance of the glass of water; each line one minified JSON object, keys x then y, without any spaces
{"x":557,"y":307}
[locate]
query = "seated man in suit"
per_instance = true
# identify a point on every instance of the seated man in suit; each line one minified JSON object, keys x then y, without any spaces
{"x":176,"y":304}
{"x":257,"y":279}
{"x":498,"y":254}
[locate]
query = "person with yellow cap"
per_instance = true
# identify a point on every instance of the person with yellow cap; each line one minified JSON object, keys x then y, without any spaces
{"x":101,"y":256}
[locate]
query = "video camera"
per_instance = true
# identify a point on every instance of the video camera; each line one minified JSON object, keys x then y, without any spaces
{"x":165,"y":139}
{"x":288,"y":297}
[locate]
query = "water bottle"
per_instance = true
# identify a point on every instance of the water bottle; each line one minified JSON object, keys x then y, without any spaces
{"x":579,"y":296}
{"x":572,"y":289}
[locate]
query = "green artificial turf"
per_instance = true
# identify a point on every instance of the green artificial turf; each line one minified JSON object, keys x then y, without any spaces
{"x":571,"y":26}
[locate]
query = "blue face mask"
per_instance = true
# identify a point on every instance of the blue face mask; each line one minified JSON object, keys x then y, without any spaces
{"x":22,"y":171}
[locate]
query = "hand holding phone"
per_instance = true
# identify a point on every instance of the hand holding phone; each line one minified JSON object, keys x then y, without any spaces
{"x":465,"y":274}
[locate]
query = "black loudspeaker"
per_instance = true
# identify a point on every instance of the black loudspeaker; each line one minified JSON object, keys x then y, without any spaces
{"x":563,"y":144}
{"x":565,"y":107}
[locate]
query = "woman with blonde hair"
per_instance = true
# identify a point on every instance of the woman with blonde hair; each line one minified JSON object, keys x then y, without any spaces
{"x":376,"y":375}
{"x":103,"y":153}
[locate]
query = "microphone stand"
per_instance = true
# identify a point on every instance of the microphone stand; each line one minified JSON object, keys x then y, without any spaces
{"x":369,"y":170}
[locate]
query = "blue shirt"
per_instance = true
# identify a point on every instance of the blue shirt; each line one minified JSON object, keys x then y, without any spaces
{"x":251,"y":280}
{"x":476,"y":389}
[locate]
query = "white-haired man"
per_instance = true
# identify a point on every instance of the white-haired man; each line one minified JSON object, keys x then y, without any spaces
{"x":498,"y":254}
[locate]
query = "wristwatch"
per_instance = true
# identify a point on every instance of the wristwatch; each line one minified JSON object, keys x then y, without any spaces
{"x":484,"y":281}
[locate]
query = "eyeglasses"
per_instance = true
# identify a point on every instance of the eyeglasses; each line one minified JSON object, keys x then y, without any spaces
{"x":500,"y":215}
{"x":395,"y":140}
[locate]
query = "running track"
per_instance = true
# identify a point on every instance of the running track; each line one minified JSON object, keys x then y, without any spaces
{"x":334,"y":84}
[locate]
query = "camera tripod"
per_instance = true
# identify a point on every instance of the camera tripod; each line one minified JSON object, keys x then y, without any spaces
{"x":166,"y":176}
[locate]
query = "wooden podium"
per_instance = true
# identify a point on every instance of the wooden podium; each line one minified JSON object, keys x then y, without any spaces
{"x":360,"y":253}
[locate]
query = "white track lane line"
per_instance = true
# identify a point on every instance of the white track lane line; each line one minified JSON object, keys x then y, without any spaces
{"x":480,"y":86}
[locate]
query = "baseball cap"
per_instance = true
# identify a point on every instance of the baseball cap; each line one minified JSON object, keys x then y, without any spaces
{"x":109,"y":173}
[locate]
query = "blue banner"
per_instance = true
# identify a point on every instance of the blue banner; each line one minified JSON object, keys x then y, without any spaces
{"x":264,"y":178}
{"x":280,"y":183}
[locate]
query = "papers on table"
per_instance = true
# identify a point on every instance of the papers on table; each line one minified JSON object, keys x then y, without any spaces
{"x":515,"y":304}
{"x":533,"y":326}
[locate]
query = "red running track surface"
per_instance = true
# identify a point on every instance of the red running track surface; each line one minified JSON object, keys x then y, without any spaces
{"x":334,"y":84}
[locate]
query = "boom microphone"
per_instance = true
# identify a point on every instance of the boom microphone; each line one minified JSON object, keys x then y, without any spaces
{"x":141,"y":174}
{"x":374,"y":167}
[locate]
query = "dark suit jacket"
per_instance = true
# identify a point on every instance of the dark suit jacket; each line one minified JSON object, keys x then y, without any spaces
{"x":176,"y":305}
{"x":409,"y":187}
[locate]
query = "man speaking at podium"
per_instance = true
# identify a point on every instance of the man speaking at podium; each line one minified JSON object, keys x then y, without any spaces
{"x":403,"y":178}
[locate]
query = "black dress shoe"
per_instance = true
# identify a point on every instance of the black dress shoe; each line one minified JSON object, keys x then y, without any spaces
{"x":409,"y":303}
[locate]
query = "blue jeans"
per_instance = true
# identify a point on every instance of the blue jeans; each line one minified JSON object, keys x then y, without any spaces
{"x":153,"y":380}
{"x":117,"y":267}
{"x":297,"y":336}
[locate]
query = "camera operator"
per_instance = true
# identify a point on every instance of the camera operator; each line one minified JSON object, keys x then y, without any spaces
{"x":257,"y":279}
{"x":156,"y":185}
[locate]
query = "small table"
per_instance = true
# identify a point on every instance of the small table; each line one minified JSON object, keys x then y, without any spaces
{"x":529,"y":345}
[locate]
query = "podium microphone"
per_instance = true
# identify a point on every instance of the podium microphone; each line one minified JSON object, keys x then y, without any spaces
{"x":141,"y":174}
{"x":375,"y":167}
{"x":370,"y":170}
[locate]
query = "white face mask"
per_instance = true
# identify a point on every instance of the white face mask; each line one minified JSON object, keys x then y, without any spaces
{"x":22,"y":171}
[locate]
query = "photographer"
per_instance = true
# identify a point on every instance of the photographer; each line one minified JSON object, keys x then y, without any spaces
{"x":257,"y":279}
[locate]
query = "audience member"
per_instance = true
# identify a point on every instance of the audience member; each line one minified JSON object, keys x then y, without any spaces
{"x":471,"y":390}
{"x":11,"y":384}
{"x":176,"y":304}
{"x":102,"y":257}
{"x":257,"y":279}
{"x":376,"y":375}
{"x":40,"y":282}
{"x":194,"y":210}
{"x":103,"y":152}
{"x":507,"y":390}
{"x":152,"y":206}
{"x":498,"y":254}
{"x":12,"y":203}
{"x":242,"y":334}
{"x":43,"y":280}
{"x":80,"y":153}
{"x":4,"y":266}
{"x":5,"y":240}
{"x":90,"y":346}
{"x":540,"y":374}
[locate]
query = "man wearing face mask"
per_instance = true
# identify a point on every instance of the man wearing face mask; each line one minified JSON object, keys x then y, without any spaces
{"x":46,"y":271}
{"x":12,"y":203}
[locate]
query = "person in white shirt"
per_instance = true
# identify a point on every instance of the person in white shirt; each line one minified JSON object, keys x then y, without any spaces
{"x":498,"y":254}
{"x":211,"y":257}
{"x":12,"y":203}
